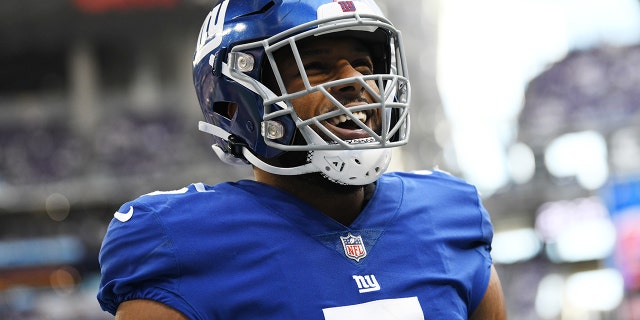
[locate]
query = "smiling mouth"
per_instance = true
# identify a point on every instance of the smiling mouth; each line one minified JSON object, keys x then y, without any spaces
{"x":347,"y":129}
{"x":344,"y":122}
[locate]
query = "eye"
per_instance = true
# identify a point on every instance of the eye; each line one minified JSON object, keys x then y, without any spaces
{"x":364,"y":66}
{"x":315,"y":67}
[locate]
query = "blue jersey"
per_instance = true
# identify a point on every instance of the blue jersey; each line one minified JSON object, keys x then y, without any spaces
{"x":420,"y":249}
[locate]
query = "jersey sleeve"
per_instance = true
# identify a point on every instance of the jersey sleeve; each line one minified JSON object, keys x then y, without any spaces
{"x":138,"y":261}
{"x":466,"y":226}
{"x":483,"y":246}
{"x":473,"y":239}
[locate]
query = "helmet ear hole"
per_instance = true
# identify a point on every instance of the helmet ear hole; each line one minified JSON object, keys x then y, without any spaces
{"x":225,"y":109}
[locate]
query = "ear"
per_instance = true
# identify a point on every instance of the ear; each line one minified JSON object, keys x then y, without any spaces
{"x":231,"y":109}
{"x":225,"y":109}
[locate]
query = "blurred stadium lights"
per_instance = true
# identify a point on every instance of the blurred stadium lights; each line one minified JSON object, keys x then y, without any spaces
{"x":515,"y":246}
{"x":57,"y":206}
{"x":44,"y":251}
{"x":584,"y":241}
{"x":485,"y":67}
{"x":579,"y":295}
{"x":549,"y":296}
{"x":580,"y":154}
{"x":576,"y":230}
{"x":597,"y":290}
{"x":60,"y":176}
{"x":625,"y":149}
{"x":521,"y":163}
{"x":572,"y":231}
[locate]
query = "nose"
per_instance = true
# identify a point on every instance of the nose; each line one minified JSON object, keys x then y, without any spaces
{"x":345,"y":71}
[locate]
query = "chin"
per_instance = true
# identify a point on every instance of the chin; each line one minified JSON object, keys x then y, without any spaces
{"x":297,"y":158}
{"x":328,"y":184}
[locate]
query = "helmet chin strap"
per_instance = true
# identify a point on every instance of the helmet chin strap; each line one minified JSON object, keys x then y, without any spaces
{"x":230,"y":159}
{"x":367,"y":164}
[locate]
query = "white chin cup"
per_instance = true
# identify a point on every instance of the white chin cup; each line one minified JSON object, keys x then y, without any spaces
{"x":352,"y":167}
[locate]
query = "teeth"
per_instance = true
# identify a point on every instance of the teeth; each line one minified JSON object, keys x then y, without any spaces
{"x":360,"y":115}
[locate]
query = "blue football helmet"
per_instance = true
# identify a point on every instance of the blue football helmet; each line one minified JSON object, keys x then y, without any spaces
{"x":253,"y":122}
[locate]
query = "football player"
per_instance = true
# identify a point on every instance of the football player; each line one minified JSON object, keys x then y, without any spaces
{"x":313,"y":94}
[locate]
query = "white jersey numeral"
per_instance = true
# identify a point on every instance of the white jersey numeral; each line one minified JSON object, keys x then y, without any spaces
{"x":388,"y":309}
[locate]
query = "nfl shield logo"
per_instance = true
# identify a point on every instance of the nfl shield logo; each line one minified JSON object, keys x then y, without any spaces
{"x":353,"y":247}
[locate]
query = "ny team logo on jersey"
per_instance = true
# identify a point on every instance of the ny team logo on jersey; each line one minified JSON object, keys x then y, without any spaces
{"x":367,"y":283}
{"x":353,"y":247}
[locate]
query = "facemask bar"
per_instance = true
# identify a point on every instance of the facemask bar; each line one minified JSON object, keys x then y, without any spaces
{"x":392,"y":101}
{"x":383,"y":102}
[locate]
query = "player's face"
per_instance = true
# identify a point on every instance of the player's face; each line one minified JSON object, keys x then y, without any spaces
{"x":328,"y":59}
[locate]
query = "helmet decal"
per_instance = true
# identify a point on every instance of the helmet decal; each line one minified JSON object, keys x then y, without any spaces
{"x":211,"y":32}
{"x":347,"y":6}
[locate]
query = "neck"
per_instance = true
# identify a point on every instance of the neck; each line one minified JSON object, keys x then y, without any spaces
{"x":340,"y":203}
